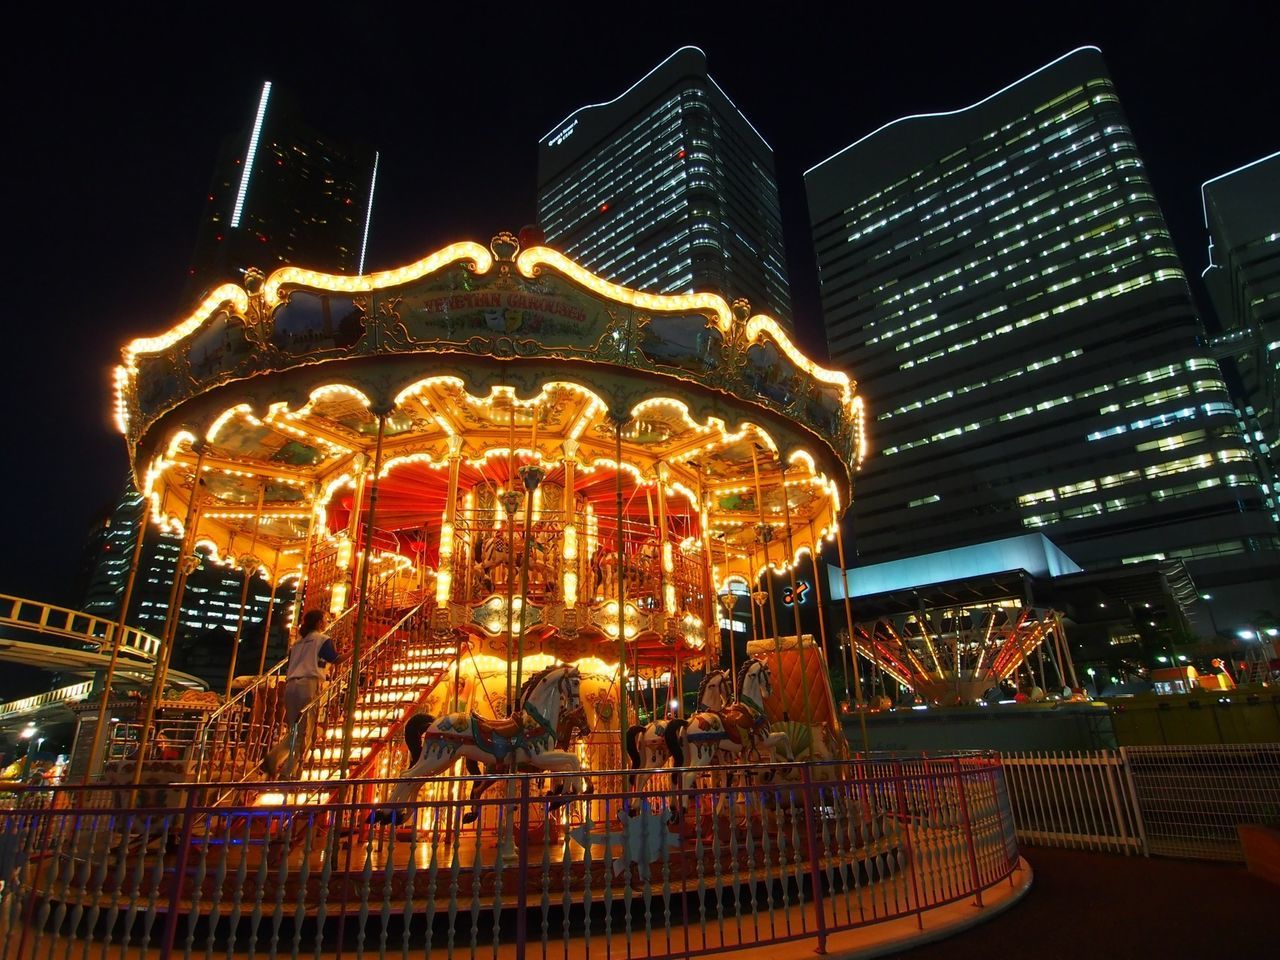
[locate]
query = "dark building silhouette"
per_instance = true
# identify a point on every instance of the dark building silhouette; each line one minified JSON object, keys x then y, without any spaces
{"x":1242,"y":216}
{"x":1001,"y":280}
{"x":667,"y":188}
{"x":211,"y":602}
{"x":282,"y":193}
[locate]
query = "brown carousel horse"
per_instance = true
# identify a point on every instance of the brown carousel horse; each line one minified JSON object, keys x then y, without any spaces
{"x":730,"y":736}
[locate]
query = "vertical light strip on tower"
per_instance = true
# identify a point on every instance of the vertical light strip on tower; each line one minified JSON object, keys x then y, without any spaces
{"x":249,"y":156}
{"x":368,"y":214}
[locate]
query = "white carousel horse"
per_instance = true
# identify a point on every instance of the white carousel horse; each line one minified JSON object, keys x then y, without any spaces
{"x":735,"y":734}
{"x":549,"y":705}
{"x":647,"y":745}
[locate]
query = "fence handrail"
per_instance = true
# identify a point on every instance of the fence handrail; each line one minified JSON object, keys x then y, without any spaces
{"x":65,"y":622}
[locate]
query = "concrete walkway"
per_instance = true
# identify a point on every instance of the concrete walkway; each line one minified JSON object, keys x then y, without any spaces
{"x":1123,"y":907}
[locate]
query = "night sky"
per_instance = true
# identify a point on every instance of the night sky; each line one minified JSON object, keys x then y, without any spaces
{"x":114,"y":120}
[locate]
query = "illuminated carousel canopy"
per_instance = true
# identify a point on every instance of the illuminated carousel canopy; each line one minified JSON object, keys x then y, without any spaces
{"x":456,"y":376}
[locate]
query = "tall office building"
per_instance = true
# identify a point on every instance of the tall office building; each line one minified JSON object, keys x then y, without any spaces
{"x":211,"y":608}
{"x":1242,"y":216}
{"x":667,"y":188}
{"x":281,"y":193}
{"x":1001,"y":281}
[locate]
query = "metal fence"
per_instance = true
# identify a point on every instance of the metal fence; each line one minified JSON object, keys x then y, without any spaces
{"x":783,"y":853}
{"x":1179,"y":801}
{"x":1080,"y":800}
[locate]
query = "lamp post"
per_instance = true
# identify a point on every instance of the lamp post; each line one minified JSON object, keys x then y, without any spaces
{"x":28,"y":732}
{"x":1206,"y":597}
{"x":1094,"y":677}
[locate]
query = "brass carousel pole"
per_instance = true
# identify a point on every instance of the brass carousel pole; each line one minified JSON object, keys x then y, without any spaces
{"x":795,"y":601}
{"x":244,"y":589}
{"x":448,"y":542}
{"x":121,"y":626}
{"x":853,"y":647}
{"x":362,"y":604}
{"x":711,"y":606}
{"x":531,"y":476}
{"x":817,"y":594}
{"x":511,"y":503}
{"x":618,"y":421}
{"x":304,"y":578}
{"x":180,"y":572}
{"x":266,"y":620}
{"x":766,"y":535}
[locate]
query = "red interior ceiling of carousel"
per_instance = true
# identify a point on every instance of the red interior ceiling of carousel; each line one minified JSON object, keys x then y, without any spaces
{"x":412,"y":495}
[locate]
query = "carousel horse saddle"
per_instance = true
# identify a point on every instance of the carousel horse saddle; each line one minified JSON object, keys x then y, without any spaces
{"x":742,"y":724}
{"x":499,"y":737}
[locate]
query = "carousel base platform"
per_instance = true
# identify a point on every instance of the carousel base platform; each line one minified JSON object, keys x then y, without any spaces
{"x":623,"y":928}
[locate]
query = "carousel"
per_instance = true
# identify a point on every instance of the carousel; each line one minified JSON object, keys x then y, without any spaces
{"x":526,"y":500}
{"x":485,"y":466}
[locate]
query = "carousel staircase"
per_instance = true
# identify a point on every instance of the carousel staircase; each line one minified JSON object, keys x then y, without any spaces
{"x":397,"y":675}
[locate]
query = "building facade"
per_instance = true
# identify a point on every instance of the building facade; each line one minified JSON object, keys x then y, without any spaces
{"x":667,"y":188}
{"x":211,"y":612}
{"x":282,"y":193}
{"x":1242,"y":217}
{"x":1001,"y":280}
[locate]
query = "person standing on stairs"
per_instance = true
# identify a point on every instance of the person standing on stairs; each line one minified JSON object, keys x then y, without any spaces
{"x":309,"y":659}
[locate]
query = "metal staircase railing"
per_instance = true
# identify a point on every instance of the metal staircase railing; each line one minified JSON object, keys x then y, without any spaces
{"x":401,"y":670}
{"x":233,"y":739}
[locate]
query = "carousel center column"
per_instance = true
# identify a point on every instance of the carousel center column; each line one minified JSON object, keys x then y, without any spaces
{"x":569,"y":544}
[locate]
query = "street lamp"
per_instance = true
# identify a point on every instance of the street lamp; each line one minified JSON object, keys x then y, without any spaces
{"x":1206,"y":597}
{"x":28,"y":732}
{"x":1094,"y":677}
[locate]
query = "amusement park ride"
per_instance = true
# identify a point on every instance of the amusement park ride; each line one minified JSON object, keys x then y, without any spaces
{"x":485,"y":464}
{"x":522,"y":493}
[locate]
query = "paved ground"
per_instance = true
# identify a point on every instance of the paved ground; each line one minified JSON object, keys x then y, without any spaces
{"x":1125,"y":907}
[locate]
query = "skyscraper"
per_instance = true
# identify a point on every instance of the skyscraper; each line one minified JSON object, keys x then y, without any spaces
{"x":211,"y":611}
{"x":1001,"y":281}
{"x":282,"y":193}
{"x":1242,"y":216}
{"x":667,"y":188}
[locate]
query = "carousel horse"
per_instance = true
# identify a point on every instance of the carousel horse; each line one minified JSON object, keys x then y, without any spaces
{"x":647,"y":745}
{"x":548,"y":708}
{"x":730,"y":736}
{"x":572,"y":725}
{"x":493,"y":552}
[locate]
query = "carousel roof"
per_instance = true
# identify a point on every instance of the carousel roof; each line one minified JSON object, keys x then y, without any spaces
{"x":497,"y":357}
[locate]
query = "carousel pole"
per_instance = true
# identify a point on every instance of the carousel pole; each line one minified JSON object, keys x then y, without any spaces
{"x":666,"y":560}
{"x":180,"y":572}
{"x":304,"y":580}
{"x":511,"y":503}
{"x":817,"y":594}
{"x":531,"y":476}
{"x":795,"y":602}
{"x":618,"y":420}
{"x":853,"y":647}
{"x":266,"y":620}
{"x":244,"y":589}
{"x":765,"y":532}
{"x":711,"y":598}
{"x":569,"y":544}
{"x":444,"y":572}
{"x":121,"y":626}
{"x":362,"y":603}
